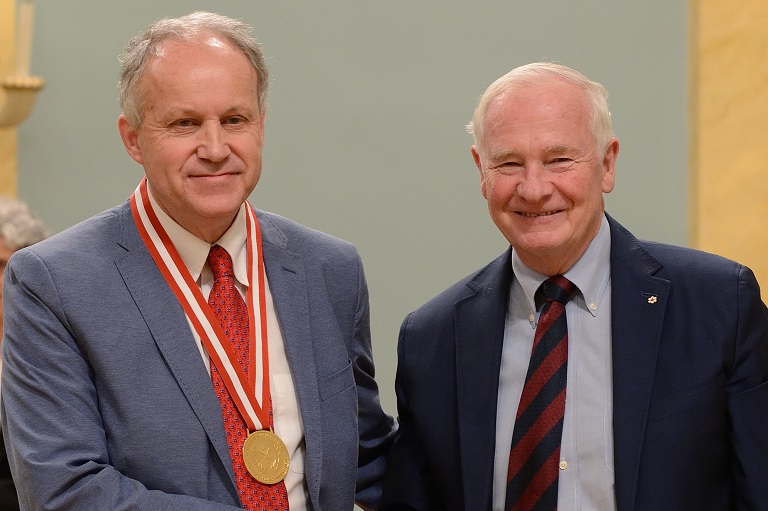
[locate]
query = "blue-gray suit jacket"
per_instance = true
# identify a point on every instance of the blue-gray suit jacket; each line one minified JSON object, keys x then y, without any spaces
{"x":107,"y":404}
{"x":690,"y":386}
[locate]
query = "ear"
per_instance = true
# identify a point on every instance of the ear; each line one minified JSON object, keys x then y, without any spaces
{"x":609,"y":165}
{"x":479,"y":165}
{"x":130,"y":139}
{"x":263,"y":122}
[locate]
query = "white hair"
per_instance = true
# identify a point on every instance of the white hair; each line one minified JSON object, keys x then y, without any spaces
{"x":532,"y":74}
{"x":19,"y":226}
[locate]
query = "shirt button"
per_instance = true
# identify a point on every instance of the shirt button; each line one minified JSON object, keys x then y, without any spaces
{"x":563,"y":464}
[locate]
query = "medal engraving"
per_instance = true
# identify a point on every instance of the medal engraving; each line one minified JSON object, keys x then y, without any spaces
{"x":266,"y":457}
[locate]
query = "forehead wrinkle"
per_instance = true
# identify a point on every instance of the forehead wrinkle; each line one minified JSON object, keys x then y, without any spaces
{"x":190,"y":110}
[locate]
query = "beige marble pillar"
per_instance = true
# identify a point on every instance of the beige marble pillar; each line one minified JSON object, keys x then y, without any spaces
{"x":729,"y":131}
{"x":8,"y":154}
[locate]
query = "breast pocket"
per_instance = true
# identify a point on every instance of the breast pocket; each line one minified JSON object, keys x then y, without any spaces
{"x":337,"y":383}
{"x":705,"y":393}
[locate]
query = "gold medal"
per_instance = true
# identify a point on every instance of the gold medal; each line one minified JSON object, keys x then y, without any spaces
{"x":266,"y":457}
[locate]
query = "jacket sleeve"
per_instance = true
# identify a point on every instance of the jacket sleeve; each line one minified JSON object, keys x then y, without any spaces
{"x":376,"y":429}
{"x":747,"y":389}
{"x":408,"y":485}
{"x":54,"y":432}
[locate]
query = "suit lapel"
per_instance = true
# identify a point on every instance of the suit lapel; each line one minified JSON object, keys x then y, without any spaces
{"x":479,"y":322}
{"x":288,"y":285}
{"x":172,"y":334}
{"x":638,"y":305}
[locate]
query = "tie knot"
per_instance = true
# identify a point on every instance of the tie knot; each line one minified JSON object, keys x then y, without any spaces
{"x":220,"y":262}
{"x":557,"y":289}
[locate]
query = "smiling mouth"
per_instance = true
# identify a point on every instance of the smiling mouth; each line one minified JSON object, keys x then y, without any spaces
{"x":221,"y":174}
{"x":536,"y":215}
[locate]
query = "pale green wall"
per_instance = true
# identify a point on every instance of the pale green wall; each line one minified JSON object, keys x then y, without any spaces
{"x":365,"y":135}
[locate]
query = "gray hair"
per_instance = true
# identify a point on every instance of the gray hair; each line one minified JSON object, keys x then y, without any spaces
{"x":19,"y":226}
{"x":143,"y":47}
{"x":530,"y":74}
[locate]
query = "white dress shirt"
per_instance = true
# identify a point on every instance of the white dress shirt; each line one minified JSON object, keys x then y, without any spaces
{"x":285,"y":406}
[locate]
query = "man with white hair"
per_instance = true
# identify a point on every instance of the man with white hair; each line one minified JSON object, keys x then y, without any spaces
{"x":583,"y":369}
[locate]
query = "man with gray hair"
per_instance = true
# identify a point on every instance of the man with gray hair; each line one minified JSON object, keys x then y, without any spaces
{"x":184,"y":350}
{"x":583,"y":369}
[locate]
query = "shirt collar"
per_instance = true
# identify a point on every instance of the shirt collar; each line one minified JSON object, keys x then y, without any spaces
{"x":590,"y":273}
{"x":194,"y":251}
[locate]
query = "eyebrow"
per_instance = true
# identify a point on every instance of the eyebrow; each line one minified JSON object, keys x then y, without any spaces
{"x":560,"y":149}
{"x":504,"y":155}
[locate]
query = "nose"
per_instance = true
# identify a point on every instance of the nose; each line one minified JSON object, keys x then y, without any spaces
{"x":213,"y":144}
{"x":534,"y":184}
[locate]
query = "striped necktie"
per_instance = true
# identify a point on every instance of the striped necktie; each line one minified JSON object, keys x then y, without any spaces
{"x":535,"y":451}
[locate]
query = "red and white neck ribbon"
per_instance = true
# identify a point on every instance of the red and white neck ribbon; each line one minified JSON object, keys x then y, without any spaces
{"x":243,"y":388}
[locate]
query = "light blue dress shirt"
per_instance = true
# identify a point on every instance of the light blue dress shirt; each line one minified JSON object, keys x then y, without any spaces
{"x":586,"y":481}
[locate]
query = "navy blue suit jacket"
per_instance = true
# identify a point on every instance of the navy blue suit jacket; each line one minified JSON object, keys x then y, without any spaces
{"x":107,"y":403}
{"x":689,"y":383}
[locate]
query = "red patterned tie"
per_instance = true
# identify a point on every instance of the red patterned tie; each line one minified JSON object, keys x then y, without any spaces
{"x":229,"y":308}
{"x":535,"y":453}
